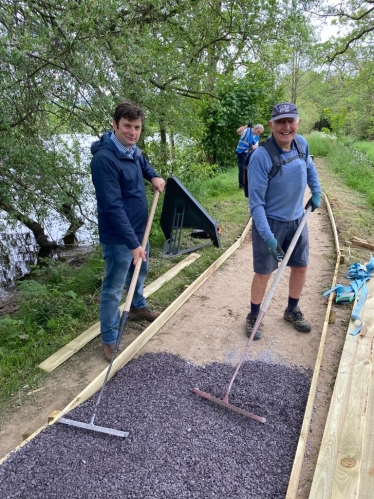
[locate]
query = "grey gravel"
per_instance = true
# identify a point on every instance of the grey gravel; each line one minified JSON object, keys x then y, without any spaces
{"x":180,"y":445}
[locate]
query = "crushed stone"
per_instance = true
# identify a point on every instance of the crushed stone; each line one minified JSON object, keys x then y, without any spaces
{"x":179,"y":445}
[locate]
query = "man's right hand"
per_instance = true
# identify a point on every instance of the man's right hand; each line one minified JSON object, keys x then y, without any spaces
{"x":272,"y":245}
{"x":314,"y":202}
{"x":138,"y":253}
{"x":158,"y":184}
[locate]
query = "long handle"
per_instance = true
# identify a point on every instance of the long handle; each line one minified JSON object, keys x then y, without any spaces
{"x":130,"y":292}
{"x":269,"y":295}
{"x":128,"y":301}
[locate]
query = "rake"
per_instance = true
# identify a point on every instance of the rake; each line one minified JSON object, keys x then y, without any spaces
{"x":225,"y":401}
{"x":122,"y":324}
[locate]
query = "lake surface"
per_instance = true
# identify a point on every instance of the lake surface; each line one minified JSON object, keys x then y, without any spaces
{"x":18,"y":248}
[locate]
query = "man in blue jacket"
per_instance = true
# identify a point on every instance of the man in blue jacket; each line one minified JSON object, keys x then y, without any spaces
{"x":277,"y":208}
{"x":118,"y":170}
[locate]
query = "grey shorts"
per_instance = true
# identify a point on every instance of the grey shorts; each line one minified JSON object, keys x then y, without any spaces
{"x":264,"y":262}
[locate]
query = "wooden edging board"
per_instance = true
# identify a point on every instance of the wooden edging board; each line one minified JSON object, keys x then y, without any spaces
{"x":80,"y":341}
{"x":293,"y":484}
{"x":141,"y":340}
{"x":345,"y":465}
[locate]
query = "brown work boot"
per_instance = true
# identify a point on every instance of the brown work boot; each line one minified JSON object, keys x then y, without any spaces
{"x":108,"y":350}
{"x":137,"y":314}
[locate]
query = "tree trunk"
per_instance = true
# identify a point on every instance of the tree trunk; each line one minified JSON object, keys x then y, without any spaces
{"x":164,"y":144}
{"x":38,"y":231}
{"x":75,"y":224}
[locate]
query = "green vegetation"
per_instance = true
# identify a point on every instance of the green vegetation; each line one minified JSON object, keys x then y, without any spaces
{"x":366,"y":148}
{"x":199,"y":69}
{"x":352,"y":166}
{"x":319,"y":144}
{"x":55,"y":304}
{"x":347,"y":182}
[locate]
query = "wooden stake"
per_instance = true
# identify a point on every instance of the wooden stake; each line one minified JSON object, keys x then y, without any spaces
{"x":332,"y":316}
{"x":27,"y":433}
{"x":53,"y":415}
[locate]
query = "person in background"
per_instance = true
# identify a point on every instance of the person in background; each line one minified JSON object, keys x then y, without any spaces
{"x":118,"y":170}
{"x":249,"y":139}
{"x":277,"y":209}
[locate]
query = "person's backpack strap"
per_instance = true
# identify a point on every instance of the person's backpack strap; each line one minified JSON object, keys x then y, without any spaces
{"x":273,"y":151}
{"x":299,"y":149}
{"x":276,"y":162}
{"x":274,"y":154}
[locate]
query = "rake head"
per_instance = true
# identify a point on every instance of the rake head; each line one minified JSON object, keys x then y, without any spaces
{"x":93,"y":427}
{"x":210,"y":397}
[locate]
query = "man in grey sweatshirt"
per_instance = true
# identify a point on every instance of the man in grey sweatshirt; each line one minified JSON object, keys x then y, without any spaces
{"x":277,"y":208}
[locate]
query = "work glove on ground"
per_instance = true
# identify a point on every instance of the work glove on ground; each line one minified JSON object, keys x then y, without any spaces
{"x":314,"y":202}
{"x":275,"y":249}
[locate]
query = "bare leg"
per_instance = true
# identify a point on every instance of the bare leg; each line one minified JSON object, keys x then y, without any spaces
{"x":258,"y":287}
{"x":297,"y":281}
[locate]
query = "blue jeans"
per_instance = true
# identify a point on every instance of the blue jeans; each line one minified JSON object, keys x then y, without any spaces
{"x":119,"y":270}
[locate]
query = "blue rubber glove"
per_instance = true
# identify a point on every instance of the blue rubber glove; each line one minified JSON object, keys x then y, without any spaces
{"x":272,"y":245}
{"x":314,"y":202}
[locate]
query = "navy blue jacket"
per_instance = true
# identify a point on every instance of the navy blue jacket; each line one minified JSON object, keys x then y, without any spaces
{"x":121,"y":200}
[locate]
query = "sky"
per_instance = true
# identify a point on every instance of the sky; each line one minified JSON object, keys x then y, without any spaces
{"x":329,"y":31}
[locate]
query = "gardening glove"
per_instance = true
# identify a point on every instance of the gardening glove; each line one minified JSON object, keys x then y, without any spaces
{"x":314,"y":202}
{"x":272,"y":245}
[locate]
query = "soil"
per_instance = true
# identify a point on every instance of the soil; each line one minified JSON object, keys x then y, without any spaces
{"x":210,"y":327}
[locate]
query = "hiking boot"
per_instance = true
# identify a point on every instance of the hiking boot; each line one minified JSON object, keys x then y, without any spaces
{"x":296,"y":318}
{"x":249,"y":323}
{"x":108,"y":350}
{"x":137,"y":314}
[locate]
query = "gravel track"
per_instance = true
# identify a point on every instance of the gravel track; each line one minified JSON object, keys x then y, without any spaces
{"x":179,"y":446}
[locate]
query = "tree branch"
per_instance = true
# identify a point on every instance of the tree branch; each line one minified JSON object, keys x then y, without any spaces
{"x":349,"y":43}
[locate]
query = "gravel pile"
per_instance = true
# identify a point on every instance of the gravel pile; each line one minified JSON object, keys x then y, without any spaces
{"x":180,"y":445}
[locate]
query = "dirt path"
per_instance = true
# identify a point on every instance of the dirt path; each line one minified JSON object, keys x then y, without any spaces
{"x":210,"y":326}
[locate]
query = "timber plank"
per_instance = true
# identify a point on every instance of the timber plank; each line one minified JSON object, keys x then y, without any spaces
{"x":293,"y":485}
{"x":363,"y":244}
{"x":156,"y":284}
{"x":367,"y":480}
{"x":80,"y":341}
{"x":347,"y":445}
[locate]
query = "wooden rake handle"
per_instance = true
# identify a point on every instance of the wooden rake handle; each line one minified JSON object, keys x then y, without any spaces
{"x":135,"y":276}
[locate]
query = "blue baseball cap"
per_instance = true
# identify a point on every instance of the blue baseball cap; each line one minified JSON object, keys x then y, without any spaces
{"x":284,"y":110}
